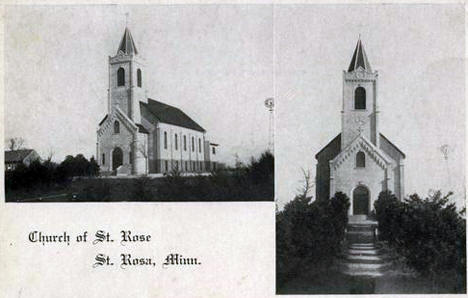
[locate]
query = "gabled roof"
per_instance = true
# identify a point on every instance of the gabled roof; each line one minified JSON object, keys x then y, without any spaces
{"x":359,"y":59}
{"x":361,"y":142}
{"x":17,"y":155}
{"x":334,"y":145}
{"x":162,"y":112}
{"x":127,"y":45}
{"x":393,"y":145}
{"x":104,"y":119}
{"x":142,"y":129}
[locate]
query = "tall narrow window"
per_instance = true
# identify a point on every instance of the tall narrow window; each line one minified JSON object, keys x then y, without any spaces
{"x":121,"y":77}
{"x":360,"y":160}
{"x":185,"y":143}
{"x":214,"y":150}
{"x":176,"y":143}
{"x":199,"y":145}
{"x":360,"y":98}
{"x":165,"y":140}
{"x":130,"y":157}
{"x":139,"y":77}
{"x":193,"y":144}
{"x":166,"y":165}
{"x":116,"y":127}
{"x":103,"y":159}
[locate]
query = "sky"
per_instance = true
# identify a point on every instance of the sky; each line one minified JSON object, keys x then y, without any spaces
{"x":219,"y":63}
{"x":419,"y":53}
{"x":215,"y":62}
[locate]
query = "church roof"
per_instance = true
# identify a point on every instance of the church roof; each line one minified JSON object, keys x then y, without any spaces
{"x":142,"y":129}
{"x":334,"y":147}
{"x":162,"y":112}
{"x":104,"y":119}
{"x":127,"y":45}
{"x":383,"y":138}
{"x":359,"y":58}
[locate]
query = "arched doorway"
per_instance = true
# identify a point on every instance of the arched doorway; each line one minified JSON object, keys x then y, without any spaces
{"x":117,"y":158}
{"x":361,"y":200}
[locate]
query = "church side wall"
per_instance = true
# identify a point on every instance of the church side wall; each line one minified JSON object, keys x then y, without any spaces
{"x":348,"y":177}
{"x":322,"y":176}
{"x":183,"y":158}
{"x":398,"y":158}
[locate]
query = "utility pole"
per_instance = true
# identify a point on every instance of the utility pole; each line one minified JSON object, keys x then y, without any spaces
{"x":269,"y":104}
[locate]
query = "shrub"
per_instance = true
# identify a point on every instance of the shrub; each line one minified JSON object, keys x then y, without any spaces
{"x":309,"y":233}
{"x":429,"y":233}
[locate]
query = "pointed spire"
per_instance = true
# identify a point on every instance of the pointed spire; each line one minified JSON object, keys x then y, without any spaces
{"x":359,"y":58}
{"x":127,"y":45}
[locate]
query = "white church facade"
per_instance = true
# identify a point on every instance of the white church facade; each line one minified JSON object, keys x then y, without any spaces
{"x":140,"y":135}
{"x":360,"y":161}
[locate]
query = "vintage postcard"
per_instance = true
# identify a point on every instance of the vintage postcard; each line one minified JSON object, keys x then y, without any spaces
{"x":371,"y":142}
{"x":233,"y":150}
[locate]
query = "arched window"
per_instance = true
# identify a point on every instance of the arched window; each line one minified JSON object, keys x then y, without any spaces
{"x":360,"y":160}
{"x":116,"y":127}
{"x":176,"y":143}
{"x":360,"y":98}
{"x":193,"y":144}
{"x":139,"y":77}
{"x":121,"y":77}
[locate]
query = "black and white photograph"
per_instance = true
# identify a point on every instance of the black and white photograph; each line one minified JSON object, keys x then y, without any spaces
{"x":138,"y":103}
{"x":370,"y":146}
{"x":241,"y":149}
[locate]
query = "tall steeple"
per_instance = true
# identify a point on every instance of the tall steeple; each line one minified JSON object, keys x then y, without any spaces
{"x":360,"y":108}
{"x":127,"y":79}
{"x":359,"y":59}
{"x":127,"y":45}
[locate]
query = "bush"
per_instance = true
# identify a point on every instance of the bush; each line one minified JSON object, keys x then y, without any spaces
{"x":254,"y":181}
{"x":429,"y":233}
{"x":309,"y":233}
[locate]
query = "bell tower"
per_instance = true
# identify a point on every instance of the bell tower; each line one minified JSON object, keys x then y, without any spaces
{"x":126,"y":79}
{"x":359,"y":113}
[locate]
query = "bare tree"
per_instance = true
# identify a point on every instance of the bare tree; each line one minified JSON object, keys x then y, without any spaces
{"x":307,"y":184}
{"x":15,"y":143}
{"x":50,"y":155}
{"x":142,"y":148}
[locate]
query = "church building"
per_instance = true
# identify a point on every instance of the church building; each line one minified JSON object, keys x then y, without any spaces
{"x":360,"y":161}
{"x":140,"y":135}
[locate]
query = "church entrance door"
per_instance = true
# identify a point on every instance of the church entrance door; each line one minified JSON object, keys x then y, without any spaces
{"x":117,"y":158}
{"x":360,"y":200}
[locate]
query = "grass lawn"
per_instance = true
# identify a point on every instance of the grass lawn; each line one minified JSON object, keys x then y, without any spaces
{"x":161,"y":189}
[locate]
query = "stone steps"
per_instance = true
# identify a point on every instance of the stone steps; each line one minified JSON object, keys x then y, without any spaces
{"x":363,"y":252}
{"x":362,"y":256}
